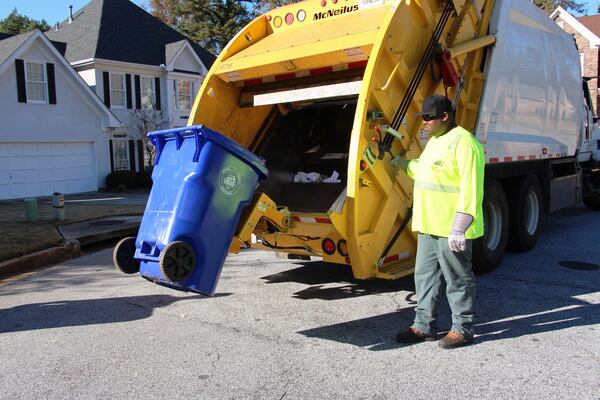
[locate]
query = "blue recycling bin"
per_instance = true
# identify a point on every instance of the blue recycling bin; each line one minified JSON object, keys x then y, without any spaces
{"x":202,"y":181}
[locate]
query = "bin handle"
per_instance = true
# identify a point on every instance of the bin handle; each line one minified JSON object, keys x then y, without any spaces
{"x":159,"y":143}
{"x":199,"y":139}
{"x":158,"y":138}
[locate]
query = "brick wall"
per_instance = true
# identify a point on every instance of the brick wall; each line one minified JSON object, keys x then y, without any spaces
{"x":591,"y":63}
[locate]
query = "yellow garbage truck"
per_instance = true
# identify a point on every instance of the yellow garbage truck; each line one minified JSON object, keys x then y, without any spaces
{"x":326,"y":93}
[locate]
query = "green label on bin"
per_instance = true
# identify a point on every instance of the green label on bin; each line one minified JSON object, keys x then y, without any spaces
{"x":229,"y":181}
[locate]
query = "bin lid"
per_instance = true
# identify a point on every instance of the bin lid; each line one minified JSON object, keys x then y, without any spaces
{"x":230,"y":145}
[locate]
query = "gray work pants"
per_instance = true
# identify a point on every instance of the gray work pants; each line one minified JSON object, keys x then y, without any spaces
{"x":435,"y":261}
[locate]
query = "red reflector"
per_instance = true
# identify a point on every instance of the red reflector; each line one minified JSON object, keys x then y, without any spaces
{"x":323,"y":3}
{"x":363,"y":165}
{"x":289,"y":18}
{"x":328,"y":246}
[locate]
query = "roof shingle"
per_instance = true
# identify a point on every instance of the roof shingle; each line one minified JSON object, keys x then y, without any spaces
{"x":12,"y":43}
{"x":592,"y":22}
{"x":119,"y":30}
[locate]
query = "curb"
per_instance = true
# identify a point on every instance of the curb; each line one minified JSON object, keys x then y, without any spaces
{"x":40,"y":259}
{"x":70,"y":249}
{"x":106,"y":236}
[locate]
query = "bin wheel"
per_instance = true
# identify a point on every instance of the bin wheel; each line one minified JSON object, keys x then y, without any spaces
{"x":177,"y":261}
{"x":123,"y":256}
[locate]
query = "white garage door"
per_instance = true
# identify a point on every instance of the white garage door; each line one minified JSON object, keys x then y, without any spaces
{"x":40,"y":169}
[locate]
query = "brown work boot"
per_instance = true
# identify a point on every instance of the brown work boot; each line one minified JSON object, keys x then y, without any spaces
{"x":413,"y":335}
{"x":455,"y":339}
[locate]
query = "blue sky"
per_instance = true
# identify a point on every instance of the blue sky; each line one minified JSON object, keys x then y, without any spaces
{"x":58,"y":10}
{"x":51,"y":10}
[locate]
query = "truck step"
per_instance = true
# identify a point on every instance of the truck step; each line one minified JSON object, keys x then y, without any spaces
{"x":396,"y":270}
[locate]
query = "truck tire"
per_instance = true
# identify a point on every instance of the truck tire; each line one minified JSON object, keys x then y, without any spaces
{"x":525,"y":208}
{"x":592,"y":201}
{"x":489,"y":250}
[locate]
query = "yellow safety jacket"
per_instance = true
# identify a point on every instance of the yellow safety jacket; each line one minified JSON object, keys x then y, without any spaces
{"x":448,"y":179}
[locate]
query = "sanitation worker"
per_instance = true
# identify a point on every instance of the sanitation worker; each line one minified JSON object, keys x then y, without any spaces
{"x":447,"y":213}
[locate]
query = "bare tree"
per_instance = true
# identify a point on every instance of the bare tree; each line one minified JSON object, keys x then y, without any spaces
{"x":148,"y":120}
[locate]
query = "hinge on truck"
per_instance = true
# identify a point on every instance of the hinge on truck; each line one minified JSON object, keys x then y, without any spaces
{"x":261,"y":207}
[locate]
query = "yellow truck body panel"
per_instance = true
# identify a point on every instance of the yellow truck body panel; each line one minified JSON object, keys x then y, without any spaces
{"x":353,"y":68}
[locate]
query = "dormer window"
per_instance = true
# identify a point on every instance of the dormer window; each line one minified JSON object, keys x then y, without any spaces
{"x":36,"y":83}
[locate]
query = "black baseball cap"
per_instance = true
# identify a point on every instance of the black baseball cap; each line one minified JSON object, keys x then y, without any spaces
{"x":435,"y":106}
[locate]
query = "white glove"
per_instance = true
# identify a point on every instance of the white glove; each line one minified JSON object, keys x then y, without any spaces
{"x":457,"y":241}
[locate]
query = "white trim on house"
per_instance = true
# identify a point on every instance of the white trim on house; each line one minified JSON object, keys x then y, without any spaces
{"x":91,"y":61}
{"x":188,"y":46}
{"x":109,"y":121}
{"x":578,"y":26}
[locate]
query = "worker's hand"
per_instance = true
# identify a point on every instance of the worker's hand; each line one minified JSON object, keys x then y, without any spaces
{"x":399,"y":162}
{"x":457,"y":241}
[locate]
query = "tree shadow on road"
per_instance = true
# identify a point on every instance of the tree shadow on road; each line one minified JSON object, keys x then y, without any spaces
{"x":59,"y":314}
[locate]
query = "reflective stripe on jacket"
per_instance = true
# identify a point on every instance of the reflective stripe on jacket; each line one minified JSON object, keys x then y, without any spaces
{"x":448,"y":179}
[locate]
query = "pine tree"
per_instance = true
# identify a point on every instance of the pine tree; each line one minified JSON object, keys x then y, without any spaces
{"x":266,"y":5}
{"x":212,"y":23}
{"x":570,"y":5}
{"x":166,"y":11}
{"x":16,"y":23}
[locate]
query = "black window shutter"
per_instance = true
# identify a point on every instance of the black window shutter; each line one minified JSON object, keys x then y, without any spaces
{"x":128,"y":90}
{"x":140,"y":144}
{"x":106,"y":89}
{"x":112,"y":156}
{"x":21,"y":90}
{"x":157,"y":89}
{"x":138,"y":93}
{"x":131,"y":155}
{"x":51,"y":83}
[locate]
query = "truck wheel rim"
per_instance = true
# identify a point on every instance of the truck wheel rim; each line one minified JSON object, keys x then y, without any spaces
{"x":493,"y":225}
{"x":533,"y":212}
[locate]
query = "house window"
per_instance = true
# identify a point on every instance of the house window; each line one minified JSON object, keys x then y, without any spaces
{"x":147,"y":92}
{"x":117,"y":90}
{"x":120,"y":154}
{"x":183,"y":94}
{"x":35,"y":80}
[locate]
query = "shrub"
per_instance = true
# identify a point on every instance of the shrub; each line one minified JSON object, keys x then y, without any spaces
{"x":117,"y":178}
{"x":143,"y":180}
